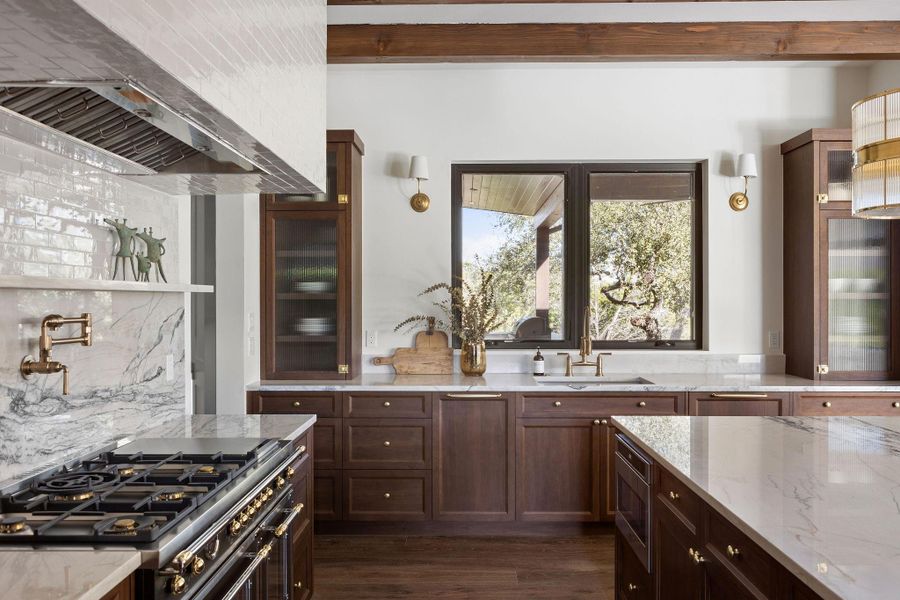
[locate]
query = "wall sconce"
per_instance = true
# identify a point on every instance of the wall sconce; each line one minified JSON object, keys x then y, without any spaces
{"x":746,"y":168}
{"x":418,"y":170}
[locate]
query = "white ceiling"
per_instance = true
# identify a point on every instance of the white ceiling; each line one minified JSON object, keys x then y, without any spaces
{"x":626,"y":12}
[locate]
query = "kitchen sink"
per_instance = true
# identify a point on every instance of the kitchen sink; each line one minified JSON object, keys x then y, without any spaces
{"x":584,"y":382}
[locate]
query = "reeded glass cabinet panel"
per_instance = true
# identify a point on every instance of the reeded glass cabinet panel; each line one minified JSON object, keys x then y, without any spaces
{"x":857,"y":332}
{"x":305,"y":295}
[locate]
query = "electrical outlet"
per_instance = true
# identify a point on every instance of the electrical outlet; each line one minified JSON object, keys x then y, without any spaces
{"x":251,"y":346}
{"x":774,"y":339}
{"x":371,"y":338}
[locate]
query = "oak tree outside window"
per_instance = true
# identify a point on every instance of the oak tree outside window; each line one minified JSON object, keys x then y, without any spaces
{"x":622,"y":239}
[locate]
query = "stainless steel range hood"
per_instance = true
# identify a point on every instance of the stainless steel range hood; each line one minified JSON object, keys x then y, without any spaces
{"x":127,"y":122}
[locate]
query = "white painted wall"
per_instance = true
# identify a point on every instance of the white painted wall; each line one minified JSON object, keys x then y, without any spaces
{"x":260,"y":62}
{"x":884,"y":75}
{"x":237,"y":299}
{"x":583,"y":112}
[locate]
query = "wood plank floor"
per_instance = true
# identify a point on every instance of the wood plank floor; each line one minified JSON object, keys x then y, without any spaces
{"x":368,"y":567}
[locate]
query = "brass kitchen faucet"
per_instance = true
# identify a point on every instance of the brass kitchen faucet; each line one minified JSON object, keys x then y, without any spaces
{"x":585,"y":350}
{"x":46,"y":365}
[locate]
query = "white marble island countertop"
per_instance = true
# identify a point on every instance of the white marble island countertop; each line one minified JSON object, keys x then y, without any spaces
{"x":524,"y":382}
{"x":820,"y":494}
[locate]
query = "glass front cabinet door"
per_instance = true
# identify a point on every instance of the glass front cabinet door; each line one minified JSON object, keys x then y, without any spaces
{"x":310,"y":272}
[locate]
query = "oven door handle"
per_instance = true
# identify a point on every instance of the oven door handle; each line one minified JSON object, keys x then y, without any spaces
{"x":292,"y":514}
{"x":260,"y":557}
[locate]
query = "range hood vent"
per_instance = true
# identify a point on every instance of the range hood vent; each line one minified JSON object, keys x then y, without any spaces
{"x":142,"y":134}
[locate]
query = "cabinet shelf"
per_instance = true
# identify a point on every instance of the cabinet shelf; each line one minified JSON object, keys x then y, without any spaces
{"x":306,"y":339}
{"x":857,"y":252}
{"x":859,"y":296}
{"x":306,"y":296}
{"x":317,"y":254}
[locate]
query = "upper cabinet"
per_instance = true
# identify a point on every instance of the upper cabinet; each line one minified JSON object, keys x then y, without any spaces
{"x":841,"y":277}
{"x":311,"y":272}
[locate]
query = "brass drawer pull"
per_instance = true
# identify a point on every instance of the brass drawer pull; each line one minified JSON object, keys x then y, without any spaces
{"x":642,"y":404}
{"x":472,"y":396}
{"x":596,"y":421}
{"x":603,"y":421}
{"x":387,"y":404}
{"x":302,"y":449}
{"x":387,"y":443}
{"x":738,"y":396}
{"x":387,"y":495}
{"x":733,"y":551}
{"x":295,"y":510}
{"x":826,"y":404}
{"x":673,"y":496}
{"x":557,"y":403}
{"x":296,"y":404}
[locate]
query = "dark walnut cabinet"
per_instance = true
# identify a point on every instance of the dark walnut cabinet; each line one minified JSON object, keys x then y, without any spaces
{"x":310,"y":270}
{"x":739,"y":404}
{"x":696,"y":553}
{"x":123,"y":591}
{"x":841,"y":274}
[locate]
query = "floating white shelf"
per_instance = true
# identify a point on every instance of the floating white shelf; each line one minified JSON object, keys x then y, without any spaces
{"x":97,"y":285}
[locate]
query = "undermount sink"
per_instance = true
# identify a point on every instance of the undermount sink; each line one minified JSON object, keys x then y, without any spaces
{"x":583,"y":382}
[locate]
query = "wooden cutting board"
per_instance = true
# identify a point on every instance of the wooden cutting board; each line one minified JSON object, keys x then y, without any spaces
{"x":431,"y":356}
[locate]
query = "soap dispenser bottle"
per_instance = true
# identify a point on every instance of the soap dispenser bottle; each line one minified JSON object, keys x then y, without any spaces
{"x":537,"y":362}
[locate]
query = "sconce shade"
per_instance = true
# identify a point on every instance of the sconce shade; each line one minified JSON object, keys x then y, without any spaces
{"x":418,"y":167}
{"x":746,"y":166}
{"x":876,"y":156}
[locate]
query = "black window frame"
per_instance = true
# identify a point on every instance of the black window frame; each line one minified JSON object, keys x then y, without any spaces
{"x":576,"y":244}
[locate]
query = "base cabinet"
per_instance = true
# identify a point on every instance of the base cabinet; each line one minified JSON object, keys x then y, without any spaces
{"x":632,"y":580}
{"x":677,"y":572}
{"x":726,"y":404}
{"x":123,"y":591}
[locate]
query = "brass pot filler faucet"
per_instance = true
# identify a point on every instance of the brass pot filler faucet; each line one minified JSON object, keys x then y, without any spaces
{"x":46,"y":365}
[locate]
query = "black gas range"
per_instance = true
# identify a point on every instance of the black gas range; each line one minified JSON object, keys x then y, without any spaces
{"x":201,"y":511}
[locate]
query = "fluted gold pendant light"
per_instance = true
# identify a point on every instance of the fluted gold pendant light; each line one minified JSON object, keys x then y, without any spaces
{"x":876,"y":156}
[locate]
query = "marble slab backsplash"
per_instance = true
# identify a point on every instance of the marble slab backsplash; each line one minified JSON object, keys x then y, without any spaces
{"x":133,"y":372}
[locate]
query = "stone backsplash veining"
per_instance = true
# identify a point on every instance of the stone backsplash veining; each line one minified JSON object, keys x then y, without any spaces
{"x":51,"y":225}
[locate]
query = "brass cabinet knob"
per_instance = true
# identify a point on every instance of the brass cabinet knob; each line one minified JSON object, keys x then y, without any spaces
{"x":387,"y":403}
{"x":596,"y":421}
{"x":673,"y":496}
{"x":603,"y":421}
{"x":298,"y":585}
{"x":296,"y":404}
{"x":697,"y":558}
{"x":557,"y":403}
{"x":642,"y":404}
{"x":632,"y":587}
{"x":826,"y":404}
{"x":733,"y":551}
{"x":387,"y":443}
{"x":197,"y":565}
{"x":235,"y":527}
{"x":387,"y":494}
{"x":302,"y":449}
{"x":895,"y":404}
{"x":177,"y":585}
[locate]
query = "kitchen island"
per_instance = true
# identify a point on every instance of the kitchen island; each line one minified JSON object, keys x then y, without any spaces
{"x":94,"y":571}
{"x":758,"y":507}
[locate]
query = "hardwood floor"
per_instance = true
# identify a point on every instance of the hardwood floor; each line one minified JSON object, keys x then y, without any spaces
{"x":369,"y":567}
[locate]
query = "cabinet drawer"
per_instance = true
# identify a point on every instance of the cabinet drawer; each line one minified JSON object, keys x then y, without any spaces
{"x":748,"y":404}
{"x":847,"y":404}
{"x":325,"y":404}
{"x":328,"y":434}
{"x":382,"y":406}
{"x":633,"y":457}
{"x":738,"y":553}
{"x":387,"y":443}
{"x":632,"y":579}
{"x":679,"y":499}
{"x":387,"y":495}
{"x":594,"y":405}
{"x":327,"y":495}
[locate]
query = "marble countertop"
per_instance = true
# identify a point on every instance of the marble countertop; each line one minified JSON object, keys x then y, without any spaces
{"x":86,"y":573}
{"x":76,"y":574}
{"x":820,"y":494}
{"x":523,"y":382}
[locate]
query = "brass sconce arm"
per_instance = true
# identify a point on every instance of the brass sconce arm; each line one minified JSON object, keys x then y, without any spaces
{"x":46,"y":365}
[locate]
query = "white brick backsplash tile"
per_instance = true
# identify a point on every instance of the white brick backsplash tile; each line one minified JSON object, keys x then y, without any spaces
{"x":47,"y":255}
{"x":22,"y":220}
{"x":48,"y":223}
{"x":35,"y":270}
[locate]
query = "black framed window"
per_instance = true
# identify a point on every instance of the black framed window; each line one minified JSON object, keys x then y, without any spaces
{"x":623,"y":239}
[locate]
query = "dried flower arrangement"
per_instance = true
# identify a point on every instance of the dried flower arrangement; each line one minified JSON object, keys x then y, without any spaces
{"x":470,"y":312}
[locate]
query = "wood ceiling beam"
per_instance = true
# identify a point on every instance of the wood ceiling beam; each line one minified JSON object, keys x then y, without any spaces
{"x":834,"y":40}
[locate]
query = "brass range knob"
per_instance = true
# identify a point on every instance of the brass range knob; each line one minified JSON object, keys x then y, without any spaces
{"x":280,"y":481}
{"x":197,"y":565}
{"x":177,"y":584}
{"x":245,"y":515}
{"x":290,"y":470}
{"x":235,"y":527}
{"x":269,"y":492}
{"x":257,"y":504}
{"x":302,"y":449}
